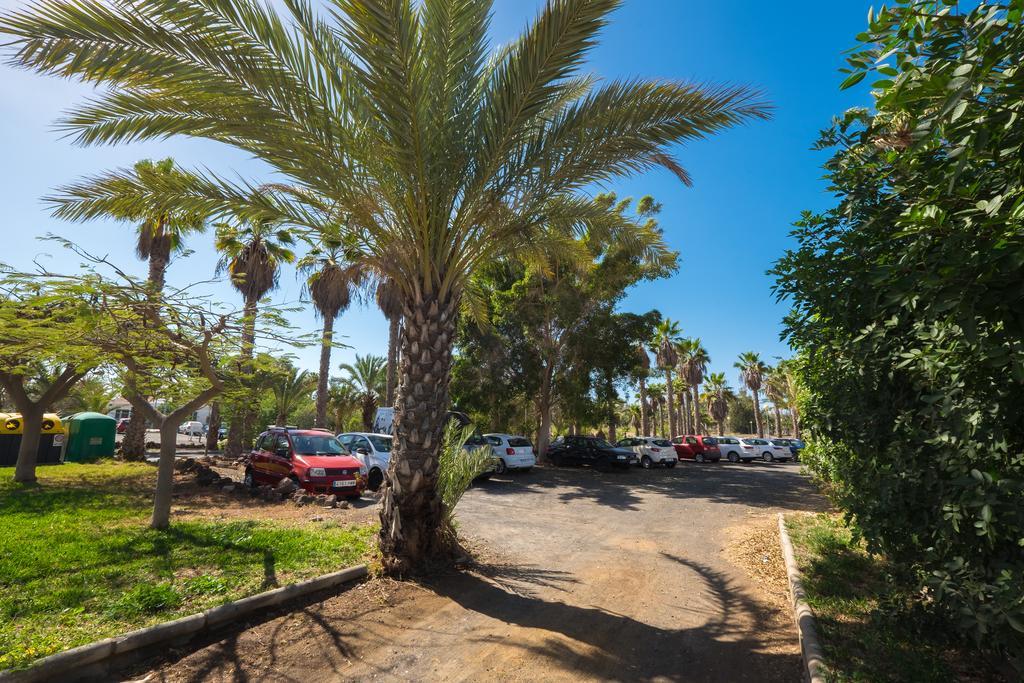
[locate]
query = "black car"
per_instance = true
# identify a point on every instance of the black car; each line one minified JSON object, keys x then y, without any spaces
{"x":589,"y":450}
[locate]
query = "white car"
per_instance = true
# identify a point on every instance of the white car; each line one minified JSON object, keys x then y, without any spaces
{"x":513,"y":452}
{"x":373,"y":451}
{"x":766,"y":450}
{"x":734,"y":450}
{"x":192,"y":428}
{"x":650,"y":450}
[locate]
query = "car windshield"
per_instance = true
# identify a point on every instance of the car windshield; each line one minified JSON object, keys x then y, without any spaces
{"x":381,"y":444}
{"x":519,"y":442}
{"x":600,"y":443}
{"x":798,"y":443}
{"x":664,"y":443}
{"x":781,"y":442}
{"x":319,"y":444}
{"x":709,"y":441}
{"x":476,"y":440}
{"x":758,"y":442}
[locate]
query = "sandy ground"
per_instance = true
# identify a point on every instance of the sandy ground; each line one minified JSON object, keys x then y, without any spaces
{"x":662,"y":575}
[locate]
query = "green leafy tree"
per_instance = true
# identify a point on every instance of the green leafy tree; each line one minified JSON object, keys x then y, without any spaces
{"x":908,"y":310}
{"x":368,"y":377}
{"x":643,"y":372}
{"x":447,"y":155}
{"x":775,"y":388}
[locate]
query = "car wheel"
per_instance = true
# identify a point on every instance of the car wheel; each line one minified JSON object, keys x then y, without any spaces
{"x":501,"y":467}
{"x":767,"y":457}
{"x":645,"y":462}
{"x":699,"y":457}
{"x":733,"y":457}
{"x":295,"y":480}
{"x":374,"y":479}
{"x":248,"y":480}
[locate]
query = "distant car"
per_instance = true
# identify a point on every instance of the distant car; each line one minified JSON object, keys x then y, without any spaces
{"x":191,"y":428}
{"x":762,"y":448}
{"x":312,"y":458}
{"x":122,"y":425}
{"x":782,"y":449}
{"x":697,"y":447}
{"x":512,"y":452}
{"x":651,"y":450}
{"x":476,"y":442}
{"x":734,"y":451}
{"x":589,"y":450}
{"x":796,"y":445}
{"x":373,"y":451}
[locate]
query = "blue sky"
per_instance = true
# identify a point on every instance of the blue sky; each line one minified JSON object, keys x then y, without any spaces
{"x":751,"y":182}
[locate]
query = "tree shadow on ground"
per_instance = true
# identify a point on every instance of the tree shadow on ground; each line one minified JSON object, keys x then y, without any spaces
{"x":759,"y":485}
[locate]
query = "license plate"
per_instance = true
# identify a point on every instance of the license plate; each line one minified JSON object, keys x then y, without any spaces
{"x":348,"y":483}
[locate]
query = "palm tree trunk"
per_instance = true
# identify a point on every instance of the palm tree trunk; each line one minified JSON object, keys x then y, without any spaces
{"x":325,"y":371}
{"x":778,"y":420}
{"x":213,"y":430}
{"x":684,"y":412}
{"x":645,"y":415}
{"x":697,"y":426}
{"x":411,"y":511}
{"x":242,"y":419}
{"x":392,"y":377}
{"x":671,"y":403}
{"x":796,"y":422}
{"x":757,"y":415}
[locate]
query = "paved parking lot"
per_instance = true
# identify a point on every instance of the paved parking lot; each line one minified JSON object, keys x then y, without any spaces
{"x":583,"y":574}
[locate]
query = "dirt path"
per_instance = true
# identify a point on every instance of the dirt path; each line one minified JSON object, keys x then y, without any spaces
{"x":617,"y":576}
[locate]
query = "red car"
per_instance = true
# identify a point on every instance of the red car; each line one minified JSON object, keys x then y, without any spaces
{"x":122,"y":425}
{"x":697,"y":447}
{"x":314,"y":459}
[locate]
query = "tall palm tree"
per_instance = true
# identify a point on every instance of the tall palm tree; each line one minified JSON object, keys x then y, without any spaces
{"x":252,"y":253}
{"x":682,"y":391}
{"x":330,"y":277}
{"x":160,"y":233}
{"x":693,"y":364}
{"x":775,"y":391}
{"x":367,"y":377}
{"x":752,"y":371}
{"x":446,"y":153}
{"x":291,"y":388}
{"x":717,"y":398}
{"x":389,"y":300}
{"x":666,"y":334}
{"x":644,"y":371}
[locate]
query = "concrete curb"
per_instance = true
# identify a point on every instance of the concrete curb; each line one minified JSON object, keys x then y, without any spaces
{"x":806,"y":625}
{"x":93,"y":659}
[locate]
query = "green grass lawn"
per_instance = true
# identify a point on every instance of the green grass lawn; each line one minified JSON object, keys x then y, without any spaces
{"x":869,"y":629}
{"x":78,"y":563}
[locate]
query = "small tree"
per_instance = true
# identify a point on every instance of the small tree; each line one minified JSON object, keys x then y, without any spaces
{"x":45,"y":329}
{"x":367,"y":377}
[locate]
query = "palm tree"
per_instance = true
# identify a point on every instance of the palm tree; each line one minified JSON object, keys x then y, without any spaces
{"x":160,"y":233}
{"x":344,"y":399}
{"x":367,"y":377}
{"x":775,"y":390}
{"x":92,"y":395}
{"x":693,"y":364}
{"x":787,"y":370}
{"x":666,"y":334}
{"x":252,"y":253}
{"x":717,"y":398}
{"x":289,"y":390}
{"x":752,"y":371}
{"x":644,"y":371}
{"x":389,"y":300}
{"x":682,"y":390}
{"x":330,"y":278}
{"x":447,"y":155}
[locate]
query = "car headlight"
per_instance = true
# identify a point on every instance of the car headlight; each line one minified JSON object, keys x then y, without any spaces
{"x":317,"y":472}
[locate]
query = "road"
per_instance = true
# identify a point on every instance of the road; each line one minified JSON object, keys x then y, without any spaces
{"x":582,"y":575}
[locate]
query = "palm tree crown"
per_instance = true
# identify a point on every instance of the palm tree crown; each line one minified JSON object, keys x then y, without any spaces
{"x":444,"y":153}
{"x":252,"y":253}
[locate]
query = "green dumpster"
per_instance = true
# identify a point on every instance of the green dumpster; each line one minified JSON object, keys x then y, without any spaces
{"x":90,"y":436}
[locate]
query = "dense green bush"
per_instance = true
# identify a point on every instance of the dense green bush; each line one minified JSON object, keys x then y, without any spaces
{"x":909,"y":309}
